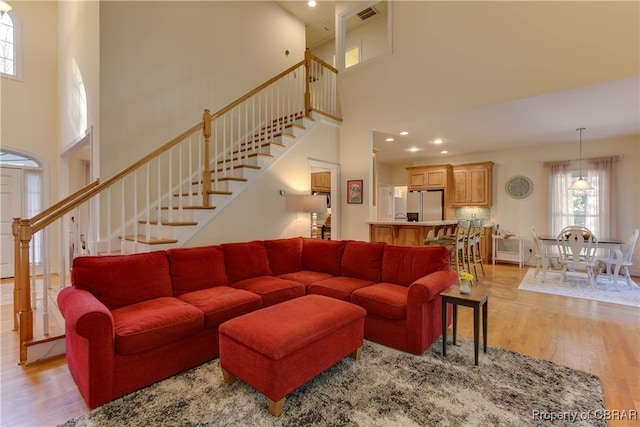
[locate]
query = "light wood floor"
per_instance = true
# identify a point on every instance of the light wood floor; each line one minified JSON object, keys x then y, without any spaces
{"x":600,"y":338}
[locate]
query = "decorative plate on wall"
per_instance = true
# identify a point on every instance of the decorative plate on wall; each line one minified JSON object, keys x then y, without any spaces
{"x":519,"y":187}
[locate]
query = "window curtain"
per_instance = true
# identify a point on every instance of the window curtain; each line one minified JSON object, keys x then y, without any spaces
{"x":33,"y":206}
{"x":561,"y":202}
{"x":602,"y":203}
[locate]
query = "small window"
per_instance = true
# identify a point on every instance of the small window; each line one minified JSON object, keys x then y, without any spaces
{"x":351,"y":56}
{"x":7,"y":44}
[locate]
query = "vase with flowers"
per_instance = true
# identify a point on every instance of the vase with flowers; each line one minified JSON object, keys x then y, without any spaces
{"x":465,"y":282}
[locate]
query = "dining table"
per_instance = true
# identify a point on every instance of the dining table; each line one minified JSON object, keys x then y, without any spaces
{"x":613,"y":245}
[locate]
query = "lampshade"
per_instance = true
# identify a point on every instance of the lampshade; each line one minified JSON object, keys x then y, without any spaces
{"x":580,"y":183}
{"x":314,"y":203}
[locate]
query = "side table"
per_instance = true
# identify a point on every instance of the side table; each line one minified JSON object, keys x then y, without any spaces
{"x":478,"y":298}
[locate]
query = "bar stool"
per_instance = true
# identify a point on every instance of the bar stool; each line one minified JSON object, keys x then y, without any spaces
{"x":475,"y":251}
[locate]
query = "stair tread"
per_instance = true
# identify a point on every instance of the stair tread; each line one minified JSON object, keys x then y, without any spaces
{"x":188,"y":207}
{"x":172,"y":223}
{"x":152,"y":241}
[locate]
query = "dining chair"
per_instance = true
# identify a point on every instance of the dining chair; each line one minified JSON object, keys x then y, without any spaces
{"x":627,"y":257}
{"x":541,"y":255}
{"x":578,"y":247}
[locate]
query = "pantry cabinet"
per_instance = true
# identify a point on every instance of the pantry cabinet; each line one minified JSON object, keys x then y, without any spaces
{"x":472,"y":184}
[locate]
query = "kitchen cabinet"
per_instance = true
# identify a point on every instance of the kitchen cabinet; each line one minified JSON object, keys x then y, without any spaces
{"x":472,"y":184}
{"x":428,"y":177}
{"x":381,"y":233}
{"x":321,"y":181}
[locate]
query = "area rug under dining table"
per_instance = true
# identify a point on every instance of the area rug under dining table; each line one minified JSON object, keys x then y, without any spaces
{"x":577,"y":285}
{"x":386,"y":387}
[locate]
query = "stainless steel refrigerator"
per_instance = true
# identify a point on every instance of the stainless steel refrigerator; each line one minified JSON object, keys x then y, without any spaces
{"x":425,"y":205}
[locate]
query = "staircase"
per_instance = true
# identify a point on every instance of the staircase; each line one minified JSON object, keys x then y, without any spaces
{"x":165,"y":198}
{"x":175,"y":225}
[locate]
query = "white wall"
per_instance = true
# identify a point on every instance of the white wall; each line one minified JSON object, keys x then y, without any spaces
{"x":162,"y":63}
{"x":260,"y":212}
{"x":30,"y":105}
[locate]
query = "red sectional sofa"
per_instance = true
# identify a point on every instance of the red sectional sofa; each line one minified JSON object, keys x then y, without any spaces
{"x":132,"y":320}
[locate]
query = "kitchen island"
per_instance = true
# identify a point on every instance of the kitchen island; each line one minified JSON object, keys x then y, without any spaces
{"x":404,"y":232}
{"x":415,"y":233}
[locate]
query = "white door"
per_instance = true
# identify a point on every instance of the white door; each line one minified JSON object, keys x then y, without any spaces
{"x":10,"y":207}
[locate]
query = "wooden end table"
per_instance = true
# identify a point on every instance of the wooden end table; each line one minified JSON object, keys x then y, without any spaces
{"x":478,"y":298}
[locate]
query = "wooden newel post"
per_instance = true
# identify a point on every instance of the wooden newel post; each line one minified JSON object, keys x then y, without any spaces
{"x":25,"y":314}
{"x":307,"y":89}
{"x":15,"y":230}
{"x":206,"y":174}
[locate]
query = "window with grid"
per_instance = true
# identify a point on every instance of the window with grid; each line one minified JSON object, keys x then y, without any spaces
{"x":7,"y":45}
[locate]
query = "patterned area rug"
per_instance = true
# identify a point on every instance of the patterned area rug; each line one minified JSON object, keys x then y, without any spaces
{"x":577,"y":285}
{"x":385,"y":387}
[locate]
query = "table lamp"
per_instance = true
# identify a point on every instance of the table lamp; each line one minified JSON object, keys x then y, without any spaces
{"x":313,"y":204}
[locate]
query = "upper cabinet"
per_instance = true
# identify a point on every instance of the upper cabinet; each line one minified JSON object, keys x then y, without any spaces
{"x":472,"y":184}
{"x":321,"y":181}
{"x":428,"y":177}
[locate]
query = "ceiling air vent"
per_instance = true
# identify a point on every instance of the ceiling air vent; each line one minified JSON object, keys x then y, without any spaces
{"x":367,"y":13}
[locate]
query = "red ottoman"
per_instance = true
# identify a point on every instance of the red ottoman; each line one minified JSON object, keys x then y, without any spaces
{"x":279,"y":348}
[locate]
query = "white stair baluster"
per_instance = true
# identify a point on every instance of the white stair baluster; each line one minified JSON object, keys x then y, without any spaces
{"x":147,"y":229}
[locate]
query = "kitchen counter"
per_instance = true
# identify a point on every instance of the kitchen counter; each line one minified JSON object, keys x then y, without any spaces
{"x":403,"y":232}
{"x":426,"y":223}
{"x":405,"y":222}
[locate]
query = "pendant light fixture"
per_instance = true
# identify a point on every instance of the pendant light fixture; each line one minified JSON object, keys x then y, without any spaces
{"x":580,"y":183}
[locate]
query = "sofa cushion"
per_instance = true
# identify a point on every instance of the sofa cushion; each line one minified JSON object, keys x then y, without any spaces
{"x":245,"y":260}
{"x":386,"y":300}
{"x":273,"y":290}
{"x":306,"y":277}
{"x":338,"y":287}
{"x":154,"y":323}
{"x":404,"y":264}
{"x":363,"y":260}
{"x":285,"y":255}
{"x":222,"y":303}
{"x":324,"y":256}
{"x":197,"y":268}
{"x":120,"y":280}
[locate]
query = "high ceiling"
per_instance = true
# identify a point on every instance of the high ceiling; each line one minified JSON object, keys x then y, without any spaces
{"x":609,"y":108}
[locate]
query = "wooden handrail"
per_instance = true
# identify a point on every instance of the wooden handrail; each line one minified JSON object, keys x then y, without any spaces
{"x":331,"y":68}
{"x":62,"y":202}
{"x":54,"y":215}
{"x":54,"y":212}
{"x":256,"y":90}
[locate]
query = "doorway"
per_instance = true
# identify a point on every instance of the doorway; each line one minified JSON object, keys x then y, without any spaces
{"x":330,"y":173}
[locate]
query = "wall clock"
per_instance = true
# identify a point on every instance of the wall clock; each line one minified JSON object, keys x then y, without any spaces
{"x":519,"y":187}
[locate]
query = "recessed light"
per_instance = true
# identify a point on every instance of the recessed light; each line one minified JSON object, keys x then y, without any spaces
{"x":404,"y":132}
{"x":437,"y":141}
{"x":312,"y":3}
{"x":413,"y":149}
{"x":389,"y":139}
{"x":444,"y":152}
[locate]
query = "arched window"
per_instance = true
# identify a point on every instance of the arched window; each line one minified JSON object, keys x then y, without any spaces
{"x":9,"y":42}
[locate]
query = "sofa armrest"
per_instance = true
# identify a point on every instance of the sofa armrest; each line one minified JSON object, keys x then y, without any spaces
{"x":424,"y":308}
{"x":85,"y":314}
{"x":90,"y":344}
{"x":429,"y":287}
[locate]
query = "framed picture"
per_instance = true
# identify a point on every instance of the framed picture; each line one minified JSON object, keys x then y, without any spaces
{"x":354,"y":191}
